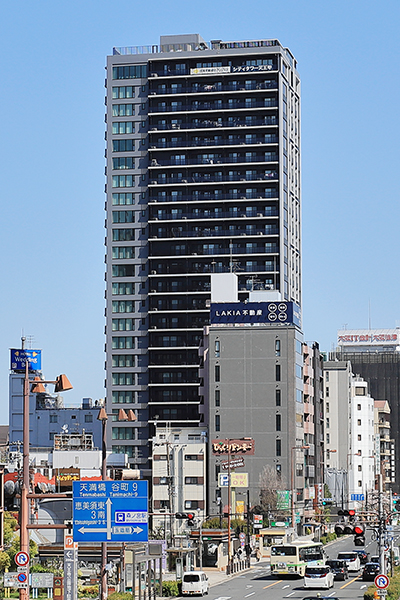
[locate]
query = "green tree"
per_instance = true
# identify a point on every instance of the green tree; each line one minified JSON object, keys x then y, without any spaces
{"x":5,"y":561}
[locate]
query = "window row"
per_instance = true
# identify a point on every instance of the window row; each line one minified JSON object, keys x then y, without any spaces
{"x":123,"y":110}
{"x":123,"y":306}
{"x":123,"y":127}
{"x":123,"y":235}
{"x":123,"y":216}
{"x":123,"y":91}
{"x":123,"y":378}
{"x":129,"y":72}
{"x":123,"y":146}
{"x":123,"y":342}
{"x":123,"y":162}
{"x":123,"y":289}
{"x":123,"y":324}
{"x":123,"y":270}
{"x":128,"y":450}
{"x":119,"y":181}
{"x":123,"y":397}
{"x":124,"y":198}
{"x":120,"y":252}
{"x":123,"y":360}
{"x":123,"y":433}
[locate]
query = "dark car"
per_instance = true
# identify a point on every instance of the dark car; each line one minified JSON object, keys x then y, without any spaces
{"x":374,"y":558}
{"x":364,"y":556}
{"x":338,"y":568}
{"x":370,"y":571}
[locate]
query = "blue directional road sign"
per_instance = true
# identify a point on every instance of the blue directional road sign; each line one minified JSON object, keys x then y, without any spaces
{"x":357,"y":497}
{"x":110,"y":511}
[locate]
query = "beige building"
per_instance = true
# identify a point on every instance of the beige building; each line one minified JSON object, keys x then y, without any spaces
{"x":384,"y":445}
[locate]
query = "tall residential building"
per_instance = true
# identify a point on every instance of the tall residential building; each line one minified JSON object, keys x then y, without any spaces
{"x":203,"y":176}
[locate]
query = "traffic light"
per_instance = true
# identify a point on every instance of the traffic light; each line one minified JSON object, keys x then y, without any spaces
{"x":352,"y":514}
{"x":396,"y":503}
{"x":327,"y":502}
{"x":190,"y":520}
{"x":339,"y":528}
{"x":359,"y":534}
{"x":181,"y":516}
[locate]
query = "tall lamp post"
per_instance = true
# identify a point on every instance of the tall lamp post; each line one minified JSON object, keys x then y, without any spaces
{"x":293,"y":482}
{"x":61,"y":385}
{"x":103,"y":417}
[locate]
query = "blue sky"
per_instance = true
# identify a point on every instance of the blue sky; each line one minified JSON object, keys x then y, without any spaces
{"x":52,"y":162}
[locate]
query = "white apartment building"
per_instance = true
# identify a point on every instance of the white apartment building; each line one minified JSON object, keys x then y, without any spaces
{"x":349,"y":434}
{"x":179,"y":477}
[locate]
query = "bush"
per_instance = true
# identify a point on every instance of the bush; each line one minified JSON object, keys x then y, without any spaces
{"x":393,"y":591}
{"x":328,"y":537}
{"x":88,"y":591}
{"x":171,"y":588}
{"x":120,"y":596}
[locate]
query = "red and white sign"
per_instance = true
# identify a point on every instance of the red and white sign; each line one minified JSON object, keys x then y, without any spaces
{"x":368,"y":337}
{"x":381,"y":581}
{"x":21,"y":559}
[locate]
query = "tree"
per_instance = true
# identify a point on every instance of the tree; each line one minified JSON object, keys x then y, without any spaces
{"x":270,"y":482}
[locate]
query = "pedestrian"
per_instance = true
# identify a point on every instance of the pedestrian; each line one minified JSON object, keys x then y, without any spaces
{"x":258,"y":554}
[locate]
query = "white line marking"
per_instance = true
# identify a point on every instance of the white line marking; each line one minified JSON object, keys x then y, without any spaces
{"x":330,"y":595}
{"x":285,"y":586}
{"x":249,"y":586}
{"x":362,"y":587}
{"x":288,"y":596}
{"x":248,"y":595}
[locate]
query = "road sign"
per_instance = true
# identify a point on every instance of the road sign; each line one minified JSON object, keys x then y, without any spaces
{"x":42,"y":580}
{"x":381,"y":592}
{"x":21,"y":559}
{"x":114,"y":511}
{"x":357,"y":497}
{"x":381,"y":581}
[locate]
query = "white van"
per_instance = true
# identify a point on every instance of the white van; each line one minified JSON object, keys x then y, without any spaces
{"x":194,"y":582}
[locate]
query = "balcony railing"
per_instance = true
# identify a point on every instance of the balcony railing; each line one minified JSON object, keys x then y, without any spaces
{"x":208,"y":123}
{"x":174,"y":233}
{"x":215,"y":197}
{"x":239,"y":141}
{"x":235,"y":250}
{"x":202,"y":106}
{"x":199,"y":216}
{"x":179,"y":162}
{"x":215,"y":177}
{"x":214,"y":87}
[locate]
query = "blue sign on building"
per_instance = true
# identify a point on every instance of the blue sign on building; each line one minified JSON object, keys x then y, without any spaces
{"x":110,"y":511}
{"x":357,"y":497}
{"x":272,"y":313}
{"x":19,"y":358}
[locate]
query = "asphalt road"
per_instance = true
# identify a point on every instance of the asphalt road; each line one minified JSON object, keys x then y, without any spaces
{"x":259,"y":584}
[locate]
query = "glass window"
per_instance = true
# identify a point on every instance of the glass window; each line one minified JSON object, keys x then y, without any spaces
{"x":123,"y":306}
{"x":123,"y":110}
{"x":123,"y":397}
{"x":217,"y":373}
{"x":123,"y":343}
{"x":278,"y":422}
{"x":277,"y":372}
{"x":217,"y":423}
{"x":123,"y":181}
{"x":123,"y":198}
{"x":123,"y":145}
{"x":124,"y":289}
{"x":88,"y":418}
{"x":277,"y":347}
{"x":360,"y":391}
{"x":191,"y":480}
{"x":129,"y":72}
{"x":191,"y":457}
{"x":123,"y":379}
{"x":119,"y":252}
{"x":123,"y":271}
{"x":123,"y":235}
{"x":123,"y":433}
{"x":277,"y":397}
{"x":278,"y":447}
{"x":123,"y":162}
{"x":123,"y":216}
{"x":217,"y":397}
{"x":123,"y":91}
{"x":123,"y":127}
{"x":53,"y":418}
{"x":123,"y":324}
{"x":217,"y":348}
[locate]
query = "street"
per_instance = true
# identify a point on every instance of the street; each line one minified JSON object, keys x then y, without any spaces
{"x":258,"y":583}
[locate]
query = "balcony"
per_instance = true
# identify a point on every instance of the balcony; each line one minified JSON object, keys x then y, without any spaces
{"x":208,"y":88}
{"x":216,"y":177}
{"x":217,"y":141}
{"x":173,"y":233}
{"x":208,"y":214}
{"x":208,"y":123}
{"x":213,"y":251}
{"x":210,"y":106}
{"x":215,"y":196}
{"x":220,"y":160}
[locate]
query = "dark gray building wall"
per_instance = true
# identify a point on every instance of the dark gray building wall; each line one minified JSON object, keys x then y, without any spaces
{"x":248,"y":390}
{"x":318,"y":413}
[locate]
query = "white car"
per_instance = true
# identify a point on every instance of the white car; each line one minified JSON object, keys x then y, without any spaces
{"x":352,"y":559}
{"x":318,"y":577}
{"x":194,"y":582}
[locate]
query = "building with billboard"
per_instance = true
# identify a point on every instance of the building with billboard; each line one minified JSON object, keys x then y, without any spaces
{"x":203,"y":177}
{"x":375,"y":355}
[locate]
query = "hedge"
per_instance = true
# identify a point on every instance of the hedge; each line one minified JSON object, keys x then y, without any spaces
{"x":393,"y":591}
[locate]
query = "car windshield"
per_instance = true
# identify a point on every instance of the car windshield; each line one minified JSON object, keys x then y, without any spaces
{"x":310,"y":554}
{"x":190,"y":578}
{"x":335,"y":563}
{"x":347,"y":555}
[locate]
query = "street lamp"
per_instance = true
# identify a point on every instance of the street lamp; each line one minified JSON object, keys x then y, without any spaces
{"x":293,"y":481}
{"x":61,"y":385}
{"x":103,"y":417}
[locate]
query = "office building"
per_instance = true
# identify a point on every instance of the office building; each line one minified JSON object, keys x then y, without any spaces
{"x":375,"y":355}
{"x":203,"y":176}
{"x":349,"y":434}
{"x":384,"y":444}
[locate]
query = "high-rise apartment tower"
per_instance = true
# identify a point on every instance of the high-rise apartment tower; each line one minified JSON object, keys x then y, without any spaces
{"x":203,"y":176}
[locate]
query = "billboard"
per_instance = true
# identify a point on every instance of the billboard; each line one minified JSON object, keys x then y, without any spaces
{"x":232,"y":447}
{"x":368,"y":337}
{"x":19,"y":358}
{"x":250,"y":313}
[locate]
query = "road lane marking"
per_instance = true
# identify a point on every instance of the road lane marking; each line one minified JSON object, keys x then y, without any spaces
{"x":349,"y":582}
{"x":251,"y":594}
{"x":285,"y":586}
{"x":288,"y":596}
{"x":362,"y":587}
{"x":249,"y":586}
{"x":271,"y":584}
{"x":330,"y":595}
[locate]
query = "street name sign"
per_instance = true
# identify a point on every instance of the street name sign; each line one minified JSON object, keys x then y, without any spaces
{"x":357,"y":497}
{"x":110,"y":511}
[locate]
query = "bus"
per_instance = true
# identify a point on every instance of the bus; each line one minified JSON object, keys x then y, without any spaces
{"x":292,"y":559}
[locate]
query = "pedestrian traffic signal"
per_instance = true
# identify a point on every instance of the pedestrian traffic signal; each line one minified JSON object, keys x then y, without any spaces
{"x":181,"y":516}
{"x":359,"y":534}
{"x":190,"y":520}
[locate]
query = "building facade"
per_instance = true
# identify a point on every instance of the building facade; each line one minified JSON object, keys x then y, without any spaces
{"x":349,"y":434}
{"x":203,"y":176}
{"x":384,"y":444}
